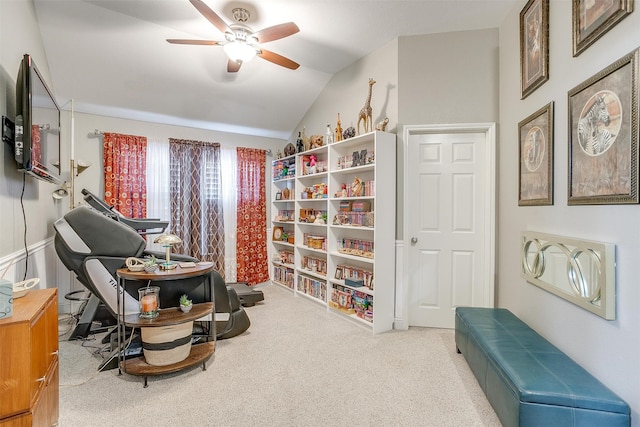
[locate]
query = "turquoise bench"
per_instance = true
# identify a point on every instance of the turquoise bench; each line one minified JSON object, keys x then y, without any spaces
{"x":527,"y":380}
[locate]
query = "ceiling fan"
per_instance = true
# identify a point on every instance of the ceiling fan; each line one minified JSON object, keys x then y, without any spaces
{"x":241,"y":43}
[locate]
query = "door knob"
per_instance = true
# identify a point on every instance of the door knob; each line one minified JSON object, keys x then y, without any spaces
{"x":414,"y":240}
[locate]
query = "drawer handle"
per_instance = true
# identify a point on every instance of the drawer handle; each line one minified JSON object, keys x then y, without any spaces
{"x":57,"y":352}
{"x":41,"y":379}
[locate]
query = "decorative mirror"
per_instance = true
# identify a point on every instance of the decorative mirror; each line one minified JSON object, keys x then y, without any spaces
{"x":580,"y":271}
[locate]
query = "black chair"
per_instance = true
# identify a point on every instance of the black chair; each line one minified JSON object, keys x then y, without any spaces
{"x":94,"y":246}
{"x":247,"y":295}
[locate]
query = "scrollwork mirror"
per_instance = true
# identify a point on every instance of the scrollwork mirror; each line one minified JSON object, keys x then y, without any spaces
{"x":580,"y":271}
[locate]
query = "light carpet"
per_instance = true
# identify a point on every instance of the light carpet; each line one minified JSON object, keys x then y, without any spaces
{"x":297,"y":365}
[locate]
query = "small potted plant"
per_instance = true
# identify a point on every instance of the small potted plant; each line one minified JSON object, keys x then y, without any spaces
{"x":150,"y":264}
{"x":185,"y":303}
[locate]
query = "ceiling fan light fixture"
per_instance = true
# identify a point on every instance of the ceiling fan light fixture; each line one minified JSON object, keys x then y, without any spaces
{"x":239,"y":52}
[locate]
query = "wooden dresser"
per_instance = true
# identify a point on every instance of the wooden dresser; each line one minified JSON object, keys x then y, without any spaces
{"x":29,"y":361}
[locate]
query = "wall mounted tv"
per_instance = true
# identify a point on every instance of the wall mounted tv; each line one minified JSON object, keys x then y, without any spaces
{"x":35,"y":134}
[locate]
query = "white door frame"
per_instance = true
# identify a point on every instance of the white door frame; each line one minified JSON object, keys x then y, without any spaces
{"x":489,"y":129}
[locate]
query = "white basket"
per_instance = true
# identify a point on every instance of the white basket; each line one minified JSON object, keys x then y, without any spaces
{"x":165,"y":345}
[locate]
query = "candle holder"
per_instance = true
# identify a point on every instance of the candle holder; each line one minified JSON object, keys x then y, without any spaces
{"x":149,"y":298}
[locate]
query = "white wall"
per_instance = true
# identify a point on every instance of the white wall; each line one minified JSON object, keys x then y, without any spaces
{"x":88,"y":145}
{"x":607,"y":349}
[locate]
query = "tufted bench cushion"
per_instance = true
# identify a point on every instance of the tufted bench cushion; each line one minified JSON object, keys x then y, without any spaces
{"x":527,"y":380}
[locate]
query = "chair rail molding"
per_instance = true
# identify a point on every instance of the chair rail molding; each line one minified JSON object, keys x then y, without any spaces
{"x":44,"y":264}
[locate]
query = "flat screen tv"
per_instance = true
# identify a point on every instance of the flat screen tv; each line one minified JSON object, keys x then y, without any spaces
{"x":36,"y":145}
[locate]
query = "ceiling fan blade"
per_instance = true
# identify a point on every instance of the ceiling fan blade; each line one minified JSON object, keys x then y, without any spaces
{"x":278,"y":59}
{"x":196,"y":42}
{"x":276,"y":32}
{"x":233,"y":66}
{"x":211,"y":15}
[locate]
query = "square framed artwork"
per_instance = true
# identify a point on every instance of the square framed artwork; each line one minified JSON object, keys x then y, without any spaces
{"x":278,"y":233}
{"x":593,"y":18}
{"x":535,"y":134}
{"x":603,"y":136}
{"x":534,"y":45}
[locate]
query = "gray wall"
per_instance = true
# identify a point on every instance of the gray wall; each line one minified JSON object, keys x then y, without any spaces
{"x":449,"y":78}
{"x":19,"y":34}
{"x":347,"y":90}
{"x":445,"y":78}
{"x":607,"y":349}
{"x":427,"y":79}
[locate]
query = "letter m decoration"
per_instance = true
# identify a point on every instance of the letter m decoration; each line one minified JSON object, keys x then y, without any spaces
{"x":359,"y":158}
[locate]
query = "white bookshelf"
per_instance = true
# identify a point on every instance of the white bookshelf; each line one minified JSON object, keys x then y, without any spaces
{"x":359,"y":244}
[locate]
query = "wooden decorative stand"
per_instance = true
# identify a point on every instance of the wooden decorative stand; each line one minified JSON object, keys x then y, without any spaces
{"x":199,"y":353}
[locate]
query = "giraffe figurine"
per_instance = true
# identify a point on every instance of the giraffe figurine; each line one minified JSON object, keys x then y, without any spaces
{"x":338,"y":136}
{"x":365,"y":113}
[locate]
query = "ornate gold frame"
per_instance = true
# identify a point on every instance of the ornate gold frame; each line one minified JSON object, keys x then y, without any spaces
{"x":599,"y":20}
{"x":608,"y":176}
{"x":535,"y":136}
{"x":534,"y":45}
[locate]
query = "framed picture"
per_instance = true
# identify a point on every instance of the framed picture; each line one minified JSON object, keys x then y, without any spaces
{"x":278,"y":233}
{"x":536,"y":158}
{"x":279,"y":195}
{"x":593,"y":18}
{"x":534,"y":45}
{"x":603,"y":136}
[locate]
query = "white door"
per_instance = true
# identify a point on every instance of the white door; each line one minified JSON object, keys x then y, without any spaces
{"x":449,"y":221}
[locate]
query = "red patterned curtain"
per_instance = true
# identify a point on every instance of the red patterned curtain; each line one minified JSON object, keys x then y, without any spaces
{"x":196,"y":205}
{"x":125,"y":181}
{"x":251,"y":246}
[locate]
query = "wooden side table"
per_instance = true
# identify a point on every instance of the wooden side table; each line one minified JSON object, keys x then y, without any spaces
{"x":199,"y":353}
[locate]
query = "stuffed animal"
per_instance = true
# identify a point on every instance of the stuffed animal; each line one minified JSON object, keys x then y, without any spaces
{"x":315,"y":141}
{"x":289,"y":149}
{"x":311,"y":166}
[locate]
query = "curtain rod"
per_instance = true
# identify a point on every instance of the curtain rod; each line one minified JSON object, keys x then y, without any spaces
{"x":99,"y":132}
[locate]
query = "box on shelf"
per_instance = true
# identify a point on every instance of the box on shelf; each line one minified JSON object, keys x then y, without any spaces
{"x":361,"y":206}
{"x":345,"y":206}
{"x":315,"y":242}
{"x":354,"y":283}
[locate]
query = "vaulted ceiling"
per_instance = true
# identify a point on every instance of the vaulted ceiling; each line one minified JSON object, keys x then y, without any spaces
{"x":112,"y":58}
